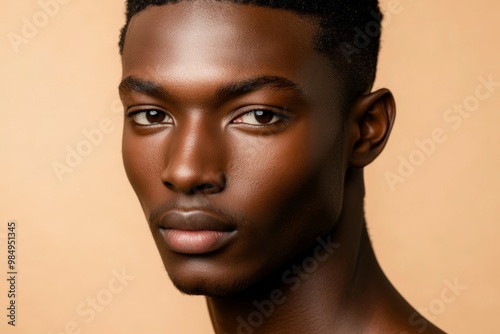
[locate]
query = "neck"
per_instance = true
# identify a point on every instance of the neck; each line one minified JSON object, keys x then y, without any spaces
{"x":337,"y":286}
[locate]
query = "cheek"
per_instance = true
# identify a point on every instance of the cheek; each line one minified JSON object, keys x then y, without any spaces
{"x":141,"y":159}
{"x":279,"y":178}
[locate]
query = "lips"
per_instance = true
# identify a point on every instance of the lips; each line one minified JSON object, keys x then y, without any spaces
{"x":195,"y":232}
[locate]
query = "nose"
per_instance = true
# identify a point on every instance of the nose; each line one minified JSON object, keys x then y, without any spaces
{"x":194,"y":160}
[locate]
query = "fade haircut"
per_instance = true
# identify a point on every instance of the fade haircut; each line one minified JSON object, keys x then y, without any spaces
{"x":349,"y":34}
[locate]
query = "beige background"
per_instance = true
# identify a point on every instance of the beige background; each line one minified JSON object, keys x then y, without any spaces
{"x":440,"y":225}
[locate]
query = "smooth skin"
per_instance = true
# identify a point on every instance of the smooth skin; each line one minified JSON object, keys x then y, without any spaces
{"x":230,"y":111}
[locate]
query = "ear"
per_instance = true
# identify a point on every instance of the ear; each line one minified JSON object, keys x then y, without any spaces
{"x":369,"y":124}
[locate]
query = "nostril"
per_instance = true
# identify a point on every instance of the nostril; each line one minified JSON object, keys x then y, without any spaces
{"x":195,"y":183}
{"x":207,"y":188}
{"x":169,"y":185}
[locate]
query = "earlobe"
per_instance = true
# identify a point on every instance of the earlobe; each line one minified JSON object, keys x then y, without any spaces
{"x":370,"y":123}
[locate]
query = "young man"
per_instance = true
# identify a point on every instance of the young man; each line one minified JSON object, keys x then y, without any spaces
{"x":248,"y":125}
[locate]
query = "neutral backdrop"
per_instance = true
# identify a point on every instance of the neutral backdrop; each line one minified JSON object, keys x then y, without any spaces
{"x":432,"y":201}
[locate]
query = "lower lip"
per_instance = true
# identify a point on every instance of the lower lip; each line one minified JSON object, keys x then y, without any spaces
{"x":196,"y":242}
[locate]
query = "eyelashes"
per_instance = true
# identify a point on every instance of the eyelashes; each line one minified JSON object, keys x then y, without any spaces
{"x":150,"y":117}
{"x":259,"y":117}
{"x":256,"y":117}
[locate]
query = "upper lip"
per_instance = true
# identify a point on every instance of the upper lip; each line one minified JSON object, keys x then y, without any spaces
{"x":195,"y":220}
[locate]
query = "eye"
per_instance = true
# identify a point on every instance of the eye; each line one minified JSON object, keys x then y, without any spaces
{"x":151,"y":117}
{"x":259,"y":117}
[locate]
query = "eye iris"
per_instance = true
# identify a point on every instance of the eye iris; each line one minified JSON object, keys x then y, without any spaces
{"x":263,"y":116}
{"x":154,"y":116}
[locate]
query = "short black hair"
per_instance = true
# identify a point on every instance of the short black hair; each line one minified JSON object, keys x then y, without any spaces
{"x":349,"y":33}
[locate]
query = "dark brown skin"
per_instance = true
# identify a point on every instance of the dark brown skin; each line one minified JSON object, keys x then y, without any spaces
{"x":232,"y":113}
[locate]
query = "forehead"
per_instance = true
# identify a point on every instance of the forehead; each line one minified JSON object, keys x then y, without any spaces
{"x":199,"y":41}
{"x":218,"y":32}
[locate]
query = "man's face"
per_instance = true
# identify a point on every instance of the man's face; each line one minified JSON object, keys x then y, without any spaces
{"x":233,"y":141}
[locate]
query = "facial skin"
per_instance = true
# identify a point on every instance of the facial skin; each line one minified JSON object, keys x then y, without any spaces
{"x":275,"y":179}
{"x":242,"y":150}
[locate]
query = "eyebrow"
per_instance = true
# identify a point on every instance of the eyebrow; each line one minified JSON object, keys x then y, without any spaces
{"x":236,"y":89}
{"x":134,"y":84}
{"x":226,"y":92}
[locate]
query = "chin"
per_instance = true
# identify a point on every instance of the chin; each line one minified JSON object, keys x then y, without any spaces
{"x":210,"y":287}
